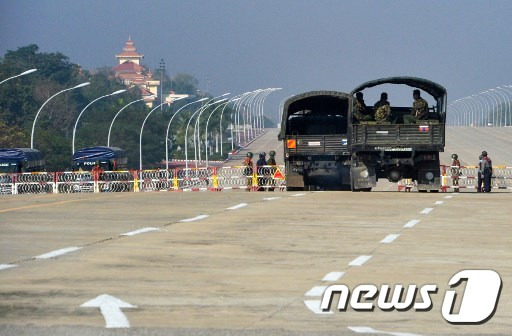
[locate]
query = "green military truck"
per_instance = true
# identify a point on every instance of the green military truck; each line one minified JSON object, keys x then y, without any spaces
{"x":395,"y":150}
{"x":315,"y":131}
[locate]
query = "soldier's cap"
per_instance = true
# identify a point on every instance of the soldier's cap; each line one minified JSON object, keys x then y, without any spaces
{"x":359,"y":94}
{"x":416,"y":92}
{"x":383,"y":95}
{"x":484,"y":153}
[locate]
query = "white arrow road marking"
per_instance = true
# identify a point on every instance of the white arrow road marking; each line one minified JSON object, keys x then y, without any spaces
{"x":7,"y":266}
{"x":448,"y":197}
{"x":439,"y":202}
{"x":143,"y":230}
{"x":411,"y":223}
{"x":110,"y":308}
{"x":359,"y":261}
{"x":238,"y":206}
{"x":194,"y":218}
{"x":57,"y":253}
{"x":314,"y":306}
{"x":271,"y":198}
{"x":333,"y":276}
{"x":298,"y":195}
{"x":426,"y":211}
{"x":389,"y":238}
{"x":369,"y":330}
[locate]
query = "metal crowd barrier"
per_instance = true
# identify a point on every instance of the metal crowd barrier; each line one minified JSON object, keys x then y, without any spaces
{"x":466,"y":177}
{"x":193,"y":179}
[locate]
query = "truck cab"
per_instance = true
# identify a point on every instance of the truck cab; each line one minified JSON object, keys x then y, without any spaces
{"x":315,"y":130}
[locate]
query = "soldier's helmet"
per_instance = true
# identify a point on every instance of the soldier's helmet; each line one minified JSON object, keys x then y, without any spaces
{"x":455,"y":156}
{"x":484,"y":153}
{"x":272,"y":153}
{"x":249,"y":154}
{"x":262,"y":155}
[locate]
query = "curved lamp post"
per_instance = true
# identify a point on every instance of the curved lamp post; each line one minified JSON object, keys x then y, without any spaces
{"x":220,"y":130}
{"x":21,"y":74}
{"x":197,"y":129}
{"x":142,"y":128}
{"x":169,"y":127}
{"x":114,"y":119}
{"x":77,"y":119}
{"x":200,"y":110}
{"x":37,"y":114}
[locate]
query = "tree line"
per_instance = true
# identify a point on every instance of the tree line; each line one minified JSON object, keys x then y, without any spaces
{"x":21,"y":98}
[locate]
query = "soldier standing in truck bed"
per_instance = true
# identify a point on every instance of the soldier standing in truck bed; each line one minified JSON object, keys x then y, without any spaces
{"x":361,"y":113}
{"x":419,"y":109}
{"x":382,"y":108}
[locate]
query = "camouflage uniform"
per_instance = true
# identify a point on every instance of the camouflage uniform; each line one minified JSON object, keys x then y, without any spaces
{"x":360,"y":111}
{"x":382,"y":111}
{"x":248,"y":171}
{"x":419,"y":111}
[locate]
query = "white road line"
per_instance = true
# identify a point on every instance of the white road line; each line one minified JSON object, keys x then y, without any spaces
{"x":448,"y":197}
{"x":58,"y":253}
{"x":194,"y":218}
{"x":426,"y":211}
{"x":389,"y":238}
{"x":7,"y":266}
{"x":139,"y":231}
{"x":238,"y":206}
{"x":333,"y":276}
{"x":314,"y":306}
{"x":316,"y":291}
{"x":369,"y":330}
{"x":298,"y":195}
{"x":270,"y":198}
{"x":439,"y":202}
{"x":411,"y":223}
{"x":359,"y":261}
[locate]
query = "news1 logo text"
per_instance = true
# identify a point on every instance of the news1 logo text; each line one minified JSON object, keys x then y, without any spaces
{"x":478,"y":302}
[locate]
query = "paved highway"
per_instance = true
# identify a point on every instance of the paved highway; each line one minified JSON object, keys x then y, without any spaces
{"x":244,"y":263}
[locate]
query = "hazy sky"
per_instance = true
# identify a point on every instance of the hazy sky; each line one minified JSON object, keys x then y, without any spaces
{"x":294,"y":44}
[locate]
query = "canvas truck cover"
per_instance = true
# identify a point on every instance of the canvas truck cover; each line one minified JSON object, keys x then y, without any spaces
{"x":305,"y":101}
{"x":97,"y":153}
{"x":20,"y":154}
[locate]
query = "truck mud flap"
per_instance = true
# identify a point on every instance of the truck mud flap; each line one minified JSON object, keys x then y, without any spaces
{"x":363,"y":177}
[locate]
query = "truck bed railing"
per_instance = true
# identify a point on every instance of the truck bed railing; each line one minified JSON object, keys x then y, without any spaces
{"x":423,"y":134}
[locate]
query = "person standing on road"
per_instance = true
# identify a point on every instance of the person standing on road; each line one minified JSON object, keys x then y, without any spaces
{"x":271,"y":162}
{"x":485,"y":169}
{"x":260,"y":170}
{"x":248,"y":170}
{"x":479,"y":181}
{"x":455,"y":172}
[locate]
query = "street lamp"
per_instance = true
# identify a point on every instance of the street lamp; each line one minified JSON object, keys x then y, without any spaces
{"x":114,"y":119}
{"x":220,"y":130}
{"x":77,"y":119}
{"x":21,"y":74}
{"x":196,"y":127}
{"x":162,"y":70}
{"x":200,"y":110}
{"x":37,"y":114}
{"x":142,"y":128}
{"x":169,"y":127}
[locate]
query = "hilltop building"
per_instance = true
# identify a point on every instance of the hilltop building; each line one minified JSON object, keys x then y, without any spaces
{"x":132,"y":73}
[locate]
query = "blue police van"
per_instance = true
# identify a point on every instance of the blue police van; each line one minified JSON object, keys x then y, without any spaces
{"x":21,"y":160}
{"x":107,"y":158}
